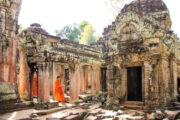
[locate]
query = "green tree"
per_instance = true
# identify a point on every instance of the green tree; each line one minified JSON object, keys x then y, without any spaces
{"x":82,"y":25}
{"x":87,"y":36}
{"x":70,"y":32}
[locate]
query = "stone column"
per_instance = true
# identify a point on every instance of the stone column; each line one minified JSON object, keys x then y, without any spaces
{"x":74,"y":76}
{"x":23,"y":77}
{"x":51,"y":77}
{"x":95,"y":79}
{"x":43,"y":82}
{"x":110,"y":82}
{"x":9,"y":13}
{"x":121,"y":91}
{"x":173,"y":79}
{"x":55,"y":74}
{"x":98,"y":79}
{"x":148,"y":92}
{"x":83,"y":79}
{"x":62,"y":71}
{"x":90,"y":79}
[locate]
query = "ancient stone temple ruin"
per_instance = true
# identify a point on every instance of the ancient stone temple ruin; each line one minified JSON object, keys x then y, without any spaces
{"x":142,"y":55}
{"x":136,"y":61}
{"x":49,"y":56}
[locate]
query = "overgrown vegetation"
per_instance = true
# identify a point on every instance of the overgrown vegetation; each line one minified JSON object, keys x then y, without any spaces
{"x":82,"y":33}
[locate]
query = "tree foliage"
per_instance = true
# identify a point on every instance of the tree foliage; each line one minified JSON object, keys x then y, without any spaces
{"x":87,"y":36}
{"x":84,"y":33}
{"x":82,"y":25}
{"x":70,"y":32}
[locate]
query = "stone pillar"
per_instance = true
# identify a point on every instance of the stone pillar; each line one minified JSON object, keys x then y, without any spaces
{"x":98,"y":79}
{"x":122,"y":84}
{"x":55,"y":74}
{"x":73,"y":82}
{"x":51,"y":76}
{"x":43,"y":82}
{"x":165,"y":81}
{"x":95,"y":79}
{"x":62,"y":71}
{"x":83,"y":79}
{"x":23,"y":77}
{"x":173,"y":79}
{"x":90,"y":79}
{"x":9,"y":13}
{"x":147,"y":82}
{"x":110,"y":82}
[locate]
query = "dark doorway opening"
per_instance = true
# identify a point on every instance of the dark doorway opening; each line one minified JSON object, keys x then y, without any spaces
{"x":178,"y":87}
{"x":33,"y":80}
{"x":103,"y":79}
{"x":134,"y":83}
{"x":67,"y":81}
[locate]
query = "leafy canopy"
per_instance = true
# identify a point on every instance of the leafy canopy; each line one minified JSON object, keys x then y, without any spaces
{"x":82,"y":25}
{"x":70,"y":32}
{"x":83,"y":33}
{"x":87,"y":36}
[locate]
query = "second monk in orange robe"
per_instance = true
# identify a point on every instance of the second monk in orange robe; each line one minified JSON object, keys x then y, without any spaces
{"x":35,"y":85}
{"x":59,"y":93}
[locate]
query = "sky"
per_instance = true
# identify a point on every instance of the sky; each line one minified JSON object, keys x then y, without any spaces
{"x":55,"y":14}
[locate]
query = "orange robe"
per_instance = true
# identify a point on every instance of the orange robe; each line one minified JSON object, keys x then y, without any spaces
{"x":35,"y":86}
{"x":59,"y":93}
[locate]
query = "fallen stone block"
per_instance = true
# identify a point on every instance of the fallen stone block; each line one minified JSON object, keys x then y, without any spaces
{"x":46,"y":112}
{"x":91,"y":117}
{"x":48,"y":105}
{"x":95,"y":112}
{"x":92,"y":107}
{"x":79,"y":116}
{"x":172,"y":115}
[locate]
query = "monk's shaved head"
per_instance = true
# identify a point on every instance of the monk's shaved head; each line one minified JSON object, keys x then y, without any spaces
{"x":60,"y":76}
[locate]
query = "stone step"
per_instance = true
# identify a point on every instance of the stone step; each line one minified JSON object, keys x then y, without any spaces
{"x":134,"y":107}
{"x":49,"y":105}
{"x":9,"y":107}
{"x":139,"y":103}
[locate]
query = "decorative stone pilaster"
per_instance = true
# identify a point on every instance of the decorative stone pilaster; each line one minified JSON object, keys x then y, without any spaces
{"x":174,"y":76}
{"x":43,"y":82}
{"x":148,"y":90}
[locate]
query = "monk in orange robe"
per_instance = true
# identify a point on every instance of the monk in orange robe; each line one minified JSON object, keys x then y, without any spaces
{"x":35,"y":85}
{"x":59,"y":93}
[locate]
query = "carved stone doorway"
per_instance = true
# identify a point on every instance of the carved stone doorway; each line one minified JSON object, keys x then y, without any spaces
{"x":134,"y":83}
{"x":103,"y":79}
{"x":67,"y":81}
{"x":178,"y":87}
